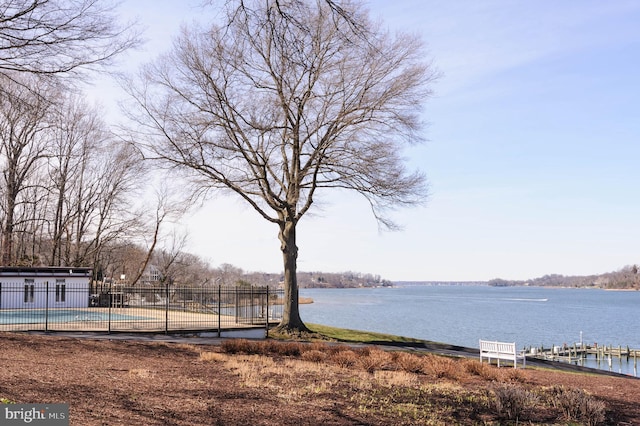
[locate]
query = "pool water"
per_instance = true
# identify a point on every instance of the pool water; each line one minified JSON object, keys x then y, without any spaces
{"x":37,"y":316}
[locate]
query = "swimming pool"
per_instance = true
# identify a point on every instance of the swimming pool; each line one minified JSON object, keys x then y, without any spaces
{"x":38,"y":316}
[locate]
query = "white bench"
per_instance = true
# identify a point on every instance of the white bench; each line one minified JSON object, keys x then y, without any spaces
{"x":501,"y":350}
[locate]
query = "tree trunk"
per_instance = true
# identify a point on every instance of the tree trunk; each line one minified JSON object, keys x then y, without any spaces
{"x":56,"y":256}
{"x":7,"y":244}
{"x":291,"y":321}
{"x":7,"y":233}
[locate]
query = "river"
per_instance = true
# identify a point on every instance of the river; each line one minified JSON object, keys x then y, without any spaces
{"x":463,"y":314}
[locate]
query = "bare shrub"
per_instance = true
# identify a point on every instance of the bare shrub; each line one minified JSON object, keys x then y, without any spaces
{"x":577,"y":405}
{"x":267,"y":347}
{"x":511,"y":401}
{"x":442,"y":367}
{"x":286,"y":348}
{"x":567,"y":400}
{"x":364,"y":351}
{"x":514,"y":375}
{"x":316,"y":346}
{"x":255,"y":348}
{"x":368,"y":364}
{"x":270,"y":346}
{"x":409,"y":362}
{"x":593,"y":412}
{"x":234,"y":346}
{"x":314,"y":356}
{"x":282,"y":348}
{"x":334,"y":349}
{"x":476,"y":368}
{"x":375,"y":359}
{"x":345,"y":358}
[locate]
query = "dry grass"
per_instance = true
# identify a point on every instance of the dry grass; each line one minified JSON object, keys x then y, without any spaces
{"x":141,"y":373}
{"x":411,"y":388}
{"x":397,"y":385}
{"x":213,"y":356}
{"x":391,"y":379}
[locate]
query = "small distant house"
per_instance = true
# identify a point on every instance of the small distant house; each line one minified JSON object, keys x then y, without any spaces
{"x":42,"y":287}
{"x":151,"y":276}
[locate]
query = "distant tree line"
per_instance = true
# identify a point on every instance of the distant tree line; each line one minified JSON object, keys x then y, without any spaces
{"x":231,"y":275}
{"x":626,"y":278}
{"x":341,"y":280}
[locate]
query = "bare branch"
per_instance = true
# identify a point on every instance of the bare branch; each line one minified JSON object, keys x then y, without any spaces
{"x":60,"y":36}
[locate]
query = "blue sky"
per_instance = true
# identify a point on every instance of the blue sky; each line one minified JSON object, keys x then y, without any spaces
{"x":532,"y":154}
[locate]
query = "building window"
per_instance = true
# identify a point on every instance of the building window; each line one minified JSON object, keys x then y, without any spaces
{"x":29,"y":291}
{"x":61,"y":290}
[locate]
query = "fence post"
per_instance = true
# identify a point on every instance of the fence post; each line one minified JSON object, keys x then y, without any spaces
{"x":110,"y":302}
{"x":46,"y":306}
{"x":166,"y":309}
{"x":237,"y":303}
{"x":219,"y":306}
{"x":251,"y":306}
{"x":266,"y":315}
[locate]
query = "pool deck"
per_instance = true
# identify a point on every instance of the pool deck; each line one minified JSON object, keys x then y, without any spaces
{"x":146,"y":320}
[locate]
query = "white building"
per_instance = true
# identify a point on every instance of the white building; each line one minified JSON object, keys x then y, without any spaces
{"x":44,"y":287}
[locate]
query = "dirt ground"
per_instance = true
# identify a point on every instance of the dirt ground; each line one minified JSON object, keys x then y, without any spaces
{"x":148,"y":383}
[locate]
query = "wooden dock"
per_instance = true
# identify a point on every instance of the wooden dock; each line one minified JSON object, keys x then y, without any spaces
{"x":577,"y":353}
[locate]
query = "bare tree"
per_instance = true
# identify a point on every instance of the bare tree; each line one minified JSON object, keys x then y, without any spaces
{"x":30,"y":222}
{"x":60,"y":36}
{"x":23,"y":120}
{"x":171,"y":259}
{"x":229,"y":274}
{"x":168,"y":208}
{"x":108,"y":211}
{"x":76,"y":135}
{"x":194,"y":271}
{"x":284,"y":100}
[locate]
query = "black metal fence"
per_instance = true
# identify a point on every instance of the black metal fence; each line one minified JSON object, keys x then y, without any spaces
{"x":55,"y":307}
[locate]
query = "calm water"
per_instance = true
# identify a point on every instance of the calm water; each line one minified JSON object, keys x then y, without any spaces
{"x":529,"y":316}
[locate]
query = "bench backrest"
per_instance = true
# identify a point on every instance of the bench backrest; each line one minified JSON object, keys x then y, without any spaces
{"x":499,"y":347}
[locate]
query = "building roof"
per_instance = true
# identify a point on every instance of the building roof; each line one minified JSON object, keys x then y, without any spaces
{"x":59,"y":271}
